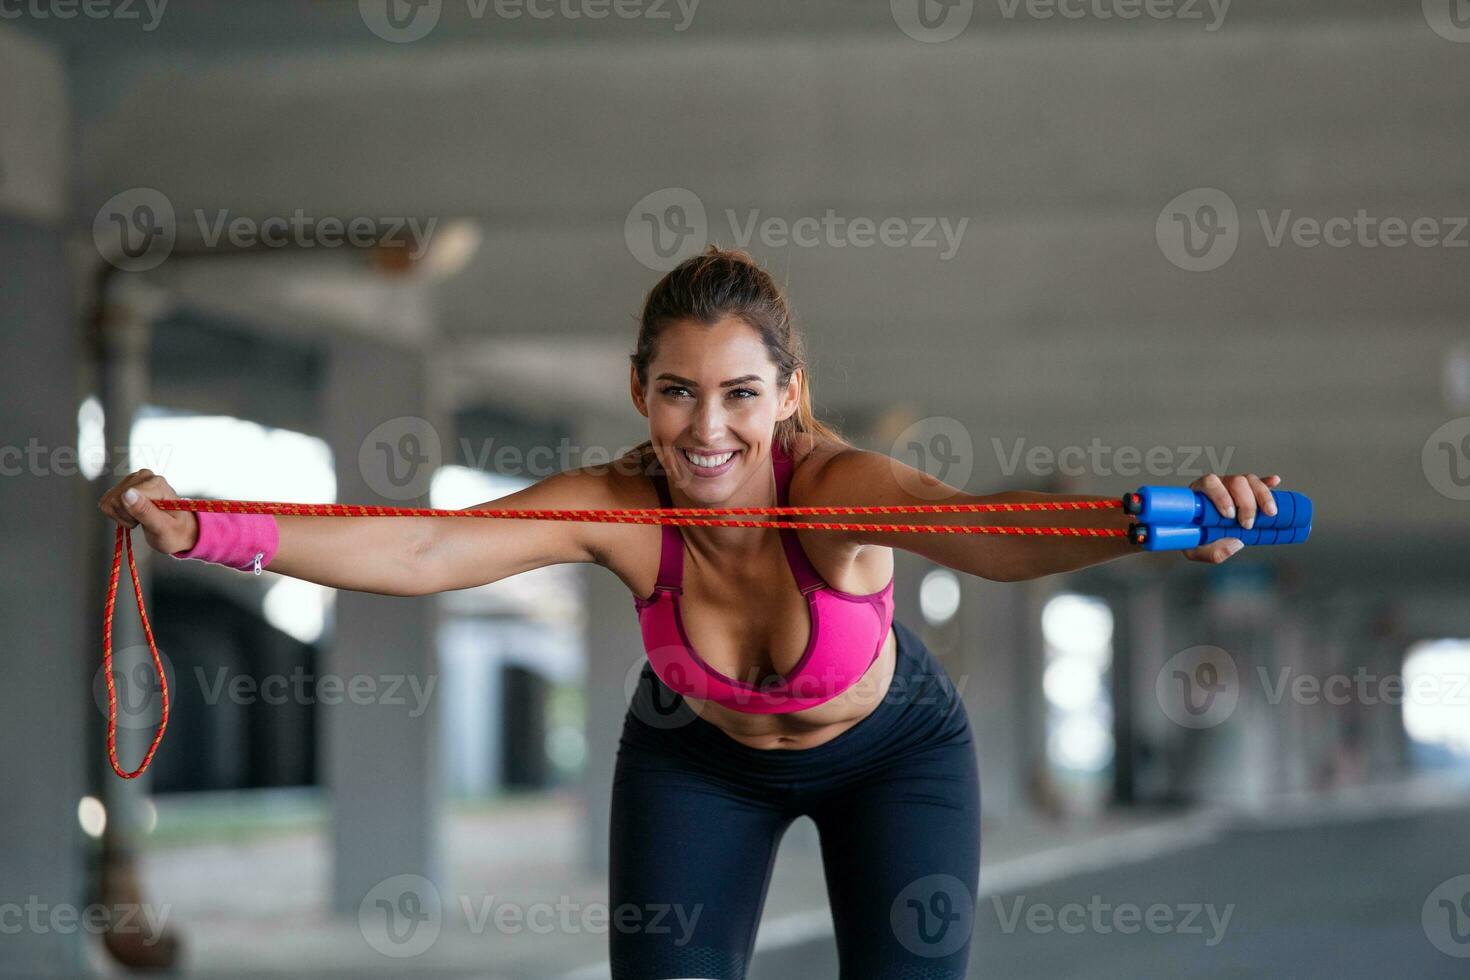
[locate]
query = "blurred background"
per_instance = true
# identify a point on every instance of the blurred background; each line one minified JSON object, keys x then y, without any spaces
{"x":392,"y":252}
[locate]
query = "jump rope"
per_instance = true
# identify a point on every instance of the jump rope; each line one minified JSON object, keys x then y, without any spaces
{"x":1165,"y":519}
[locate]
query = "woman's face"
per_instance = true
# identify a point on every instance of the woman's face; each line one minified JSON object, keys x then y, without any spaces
{"x":712,"y":405}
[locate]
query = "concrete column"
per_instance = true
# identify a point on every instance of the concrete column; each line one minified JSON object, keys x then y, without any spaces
{"x":1000,"y":679}
{"x":381,"y":766}
{"x":1138,"y":654}
{"x":614,"y":648}
{"x":46,"y":707}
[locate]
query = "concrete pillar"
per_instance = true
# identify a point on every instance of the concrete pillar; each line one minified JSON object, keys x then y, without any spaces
{"x":122,"y":387}
{"x":999,"y":675}
{"x":49,"y":661}
{"x":379,"y":764}
{"x":1304,"y":733}
{"x":1141,"y":647}
{"x":1138,"y":654}
{"x":614,"y":647}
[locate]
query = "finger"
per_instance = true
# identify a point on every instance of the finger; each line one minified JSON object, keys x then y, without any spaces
{"x":1245,"y":500}
{"x":1273,"y":480}
{"x":137,"y":480}
{"x":144,"y":511}
{"x":1265,"y":501}
{"x":1214,"y":490}
{"x":1216,"y":552}
{"x":112,"y":505}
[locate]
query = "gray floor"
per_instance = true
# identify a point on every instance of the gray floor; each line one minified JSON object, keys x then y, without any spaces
{"x":1340,"y":901}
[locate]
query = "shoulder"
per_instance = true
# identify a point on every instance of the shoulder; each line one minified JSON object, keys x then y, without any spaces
{"x":620,"y":484}
{"x":825,"y":470}
{"x":832,"y":473}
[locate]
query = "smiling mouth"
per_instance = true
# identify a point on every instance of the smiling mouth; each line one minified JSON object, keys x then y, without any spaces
{"x":708,"y":462}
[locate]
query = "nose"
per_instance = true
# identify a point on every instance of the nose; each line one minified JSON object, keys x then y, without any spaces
{"x":708,"y":424}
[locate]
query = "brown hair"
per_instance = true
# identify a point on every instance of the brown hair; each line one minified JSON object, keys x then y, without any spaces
{"x":728,"y":282}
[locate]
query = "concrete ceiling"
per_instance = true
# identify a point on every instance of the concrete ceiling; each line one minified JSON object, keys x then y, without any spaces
{"x":1058,"y":321}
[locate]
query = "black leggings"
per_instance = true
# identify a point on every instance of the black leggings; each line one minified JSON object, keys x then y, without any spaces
{"x":697,"y":817}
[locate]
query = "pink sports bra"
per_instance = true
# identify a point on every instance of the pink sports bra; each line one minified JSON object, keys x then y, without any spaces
{"x":847,"y":630}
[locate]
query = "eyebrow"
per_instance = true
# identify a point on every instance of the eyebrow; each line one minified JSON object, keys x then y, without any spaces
{"x":723,"y":384}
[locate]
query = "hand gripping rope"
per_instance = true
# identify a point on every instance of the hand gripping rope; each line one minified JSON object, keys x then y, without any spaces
{"x":1168,"y":519}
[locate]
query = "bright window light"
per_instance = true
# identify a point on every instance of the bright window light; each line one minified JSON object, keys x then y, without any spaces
{"x":1436,"y":706}
{"x":458,"y":487}
{"x":1081,"y":742}
{"x":92,"y":815}
{"x":297,"y":607}
{"x":939,"y":596}
{"x":1080,"y":626}
{"x":225,"y":458}
{"x":91,"y":443}
{"x":1072,"y":683}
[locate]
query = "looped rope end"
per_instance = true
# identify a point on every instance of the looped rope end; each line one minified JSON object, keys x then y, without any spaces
{"x":124,"y":541}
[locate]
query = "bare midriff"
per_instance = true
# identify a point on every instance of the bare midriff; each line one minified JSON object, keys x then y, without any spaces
{"x":811,"y":727}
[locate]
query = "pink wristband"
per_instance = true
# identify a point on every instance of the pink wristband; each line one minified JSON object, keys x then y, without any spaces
{"x":243,"y":541}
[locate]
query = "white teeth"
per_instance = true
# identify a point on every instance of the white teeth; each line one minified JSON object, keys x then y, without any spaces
{"x":708,"y":461}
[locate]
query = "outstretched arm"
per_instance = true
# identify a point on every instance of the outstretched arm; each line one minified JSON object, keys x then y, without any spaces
{"x":861,"y":478}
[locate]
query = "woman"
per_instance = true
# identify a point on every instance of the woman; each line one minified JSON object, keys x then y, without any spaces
{"x":777,"y":683}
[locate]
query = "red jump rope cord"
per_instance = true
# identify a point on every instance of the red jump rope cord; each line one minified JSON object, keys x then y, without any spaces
{"x":686,"y":516}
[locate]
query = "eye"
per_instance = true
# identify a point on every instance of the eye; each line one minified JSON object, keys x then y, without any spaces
{"x":670,"y":389}
{"x":745,"y":391}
